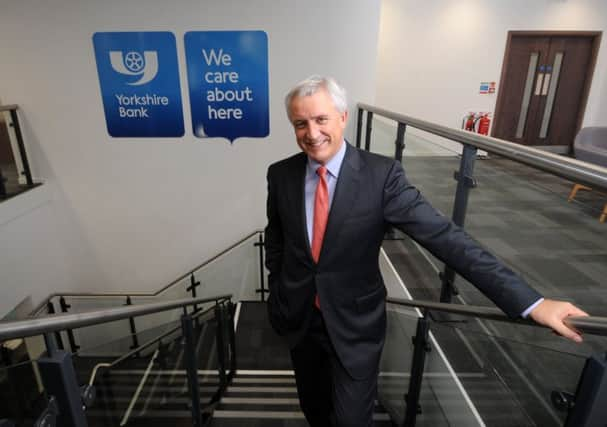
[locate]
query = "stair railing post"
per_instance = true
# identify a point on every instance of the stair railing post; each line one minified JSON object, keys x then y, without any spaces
{"x":232,"y":337}
{"x":368,"y":131}
{"x":191,"y":363}
{"x":59,"y":379}
{"x":192,"y":288}
{"x":420,"y":347}
{"x":399,"y":143}
{"x":26,"y":166}
{"x":262,"y":280}
{"x":359,"y":126}
{"x":50,"y":308}
{"x":465,"y":182}
{"x":220,"y":336}
{"x":65,"y":307}
{"x":133,"y":328}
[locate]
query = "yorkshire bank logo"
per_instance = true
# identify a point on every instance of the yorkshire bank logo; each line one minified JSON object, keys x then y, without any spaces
{"x":139,"y":82}
{"x":134,"y":64}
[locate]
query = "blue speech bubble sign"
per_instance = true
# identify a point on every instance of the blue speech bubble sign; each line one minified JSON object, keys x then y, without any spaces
{"x":228,"y":83}
{"x":139,"y":79}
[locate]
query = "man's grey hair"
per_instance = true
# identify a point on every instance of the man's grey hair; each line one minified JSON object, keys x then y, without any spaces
{"x":313,"y":84}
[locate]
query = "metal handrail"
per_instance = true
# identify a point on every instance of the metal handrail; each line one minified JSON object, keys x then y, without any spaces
{"x":45,"y":301}
{"x":565,"y":167}
{"x":593,"y":325}
{"x":59,"y":322}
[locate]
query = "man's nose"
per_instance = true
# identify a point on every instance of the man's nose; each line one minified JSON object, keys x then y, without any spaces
{"x":313,"y":131}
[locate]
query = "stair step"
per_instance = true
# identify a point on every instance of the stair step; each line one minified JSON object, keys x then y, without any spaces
{"x":251,"y":399}
{"x":229,"y":414}
{"x":276,"y":415}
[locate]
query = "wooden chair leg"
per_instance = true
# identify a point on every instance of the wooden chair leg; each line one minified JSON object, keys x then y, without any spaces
{"x":575,"y":189}
{"x":604,"y":214}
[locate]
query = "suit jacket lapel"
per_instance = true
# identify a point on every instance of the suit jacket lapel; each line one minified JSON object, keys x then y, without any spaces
{"x":296,"y":195}
{"x":346,"y":192}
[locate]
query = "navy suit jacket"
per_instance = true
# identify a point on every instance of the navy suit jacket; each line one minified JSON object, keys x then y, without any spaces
{"x":372,"y":193}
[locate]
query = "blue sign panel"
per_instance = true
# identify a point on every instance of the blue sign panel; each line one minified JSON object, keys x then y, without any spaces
{"x":228,"y":81}
{"x":139,"y":80}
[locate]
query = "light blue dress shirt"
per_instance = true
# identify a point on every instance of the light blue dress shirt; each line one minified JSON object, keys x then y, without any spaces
{"x":333,"y":167}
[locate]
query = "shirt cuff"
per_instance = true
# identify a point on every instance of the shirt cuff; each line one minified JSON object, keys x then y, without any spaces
{"x":531,"y":307}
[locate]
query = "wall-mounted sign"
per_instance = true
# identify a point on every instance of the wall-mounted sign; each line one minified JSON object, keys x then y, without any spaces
{"x":139,"y":79}
{"x":228,"y":83}
{"x":487,"y":88}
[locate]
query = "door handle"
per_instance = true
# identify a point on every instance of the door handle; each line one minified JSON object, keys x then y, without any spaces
{"x":546,"y":84}
{"x":538,"y":83}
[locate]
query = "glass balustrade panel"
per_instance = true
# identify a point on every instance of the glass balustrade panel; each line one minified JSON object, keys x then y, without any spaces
{"x":383,"y":136}
{"x":95,"y":335}
{"x":523,"y":216}
{"x":151,"y":383}
{"x":443,"y":398}
{"x":508,"y":377}
{"x":235,"y":272}
{"x":476,"y":376}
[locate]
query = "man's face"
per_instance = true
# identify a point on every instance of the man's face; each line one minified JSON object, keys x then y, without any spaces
{"x":319,"y":127}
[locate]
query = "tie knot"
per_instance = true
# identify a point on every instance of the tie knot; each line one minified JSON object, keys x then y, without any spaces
{"x":321,"y":171}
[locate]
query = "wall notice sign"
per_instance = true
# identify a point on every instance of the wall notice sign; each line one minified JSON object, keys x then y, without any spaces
{"x":139,"y":79}
{"x":487,"y":88}
{"x":228,"y":83}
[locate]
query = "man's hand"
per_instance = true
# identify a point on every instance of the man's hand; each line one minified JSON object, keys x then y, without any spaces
{"x":551,"y":313}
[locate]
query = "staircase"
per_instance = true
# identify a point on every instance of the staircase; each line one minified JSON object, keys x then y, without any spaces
{"x":152,"y":390}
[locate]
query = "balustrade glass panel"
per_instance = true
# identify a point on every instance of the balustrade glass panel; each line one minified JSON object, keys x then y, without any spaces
{"x":236,"y":272}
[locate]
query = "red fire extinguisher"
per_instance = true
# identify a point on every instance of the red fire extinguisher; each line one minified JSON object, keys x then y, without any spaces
{"x":483,"y":124}
{"x":470,"y":122}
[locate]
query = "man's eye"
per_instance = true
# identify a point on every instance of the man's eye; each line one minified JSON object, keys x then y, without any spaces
{"x":322,"y":120}
{"x":300,"y":125}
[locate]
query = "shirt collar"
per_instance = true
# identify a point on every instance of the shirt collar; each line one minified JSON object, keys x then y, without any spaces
{"x":333,"y":165}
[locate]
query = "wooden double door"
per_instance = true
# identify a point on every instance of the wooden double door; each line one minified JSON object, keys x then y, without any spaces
{"x":544,"y":87}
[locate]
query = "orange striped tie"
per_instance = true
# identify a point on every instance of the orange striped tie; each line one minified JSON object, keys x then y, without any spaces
{"x":321,"y":216}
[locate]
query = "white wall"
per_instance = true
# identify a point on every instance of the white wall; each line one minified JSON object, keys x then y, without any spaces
{"x":434,"y":54}
{"x":120,"y":214}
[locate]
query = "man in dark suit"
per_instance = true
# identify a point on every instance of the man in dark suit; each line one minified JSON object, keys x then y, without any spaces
{"x":328,"y":208}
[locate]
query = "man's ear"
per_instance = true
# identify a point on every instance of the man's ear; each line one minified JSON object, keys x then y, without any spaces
{"x":344,"y":118}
